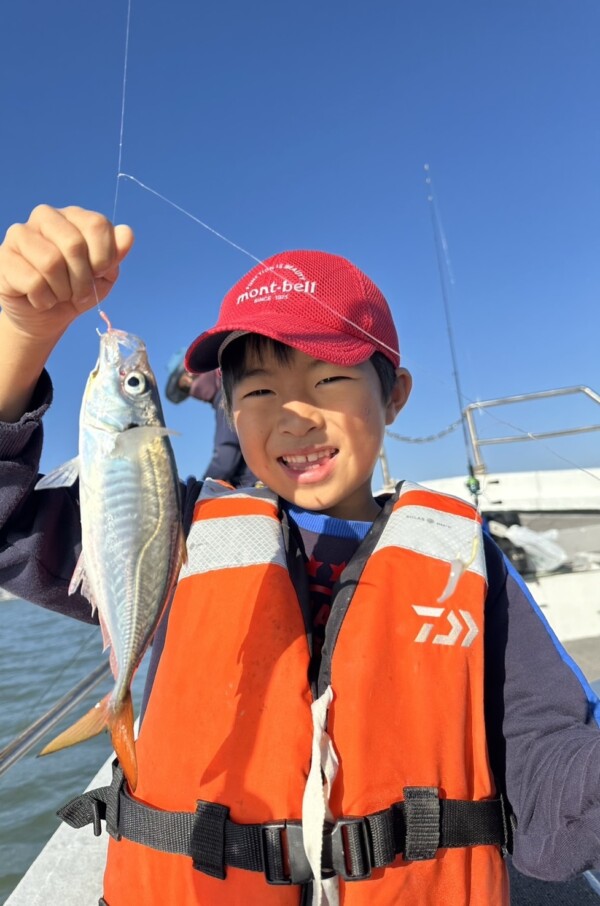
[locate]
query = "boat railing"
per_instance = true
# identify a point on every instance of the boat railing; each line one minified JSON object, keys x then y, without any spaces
{"x":25,"y":741}
{"x":478,"y":442}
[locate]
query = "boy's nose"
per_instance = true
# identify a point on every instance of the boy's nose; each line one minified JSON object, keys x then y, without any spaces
{"x":299,"y":417}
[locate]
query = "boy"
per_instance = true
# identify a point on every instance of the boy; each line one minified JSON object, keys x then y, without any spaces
{"x":316,"y":727}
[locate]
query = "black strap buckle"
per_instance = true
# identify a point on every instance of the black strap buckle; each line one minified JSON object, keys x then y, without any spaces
{"x":284,"y":856}
{"x":347,"y":850}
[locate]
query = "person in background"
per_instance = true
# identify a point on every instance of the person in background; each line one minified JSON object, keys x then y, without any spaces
{"x":227,"y":462}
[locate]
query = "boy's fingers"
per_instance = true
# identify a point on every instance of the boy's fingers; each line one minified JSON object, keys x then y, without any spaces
{"x":124,"y":240}
{"x":20,"y":281}
{"x":107,"y":245}
{"x":98,"y":234}
{"x":88,"y":243}
{"x":70,"y":257}
{"x":106,"y":248}
{"x":42,"y":258}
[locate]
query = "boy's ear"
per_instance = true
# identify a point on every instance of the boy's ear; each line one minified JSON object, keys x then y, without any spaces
{"x":399,"y":395}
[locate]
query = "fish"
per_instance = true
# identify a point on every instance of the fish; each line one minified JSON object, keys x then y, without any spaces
{"x":133,"y":544}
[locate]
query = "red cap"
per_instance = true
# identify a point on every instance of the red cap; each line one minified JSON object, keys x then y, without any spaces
{"x":318,"y":303}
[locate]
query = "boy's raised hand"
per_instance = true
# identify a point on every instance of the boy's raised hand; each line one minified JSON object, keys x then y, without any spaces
{"x":48,"y":267}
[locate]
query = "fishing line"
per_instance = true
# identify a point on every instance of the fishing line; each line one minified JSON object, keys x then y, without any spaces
{"x":96,"y":295}
{"x":121,"y":132}
{"x":192,"y":217}
{"x":123,"y":95}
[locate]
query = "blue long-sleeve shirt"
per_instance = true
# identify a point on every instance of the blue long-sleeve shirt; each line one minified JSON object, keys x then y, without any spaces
{"x":542,"y":719}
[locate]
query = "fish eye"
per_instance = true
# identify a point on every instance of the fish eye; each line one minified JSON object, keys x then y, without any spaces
{"x":135,"y":383}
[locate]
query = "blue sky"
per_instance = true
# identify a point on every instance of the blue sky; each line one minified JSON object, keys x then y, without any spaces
{"x":307,"y":125}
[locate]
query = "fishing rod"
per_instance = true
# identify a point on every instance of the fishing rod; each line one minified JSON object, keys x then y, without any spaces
{"x":26,"y":740}
{"x":445,"y":275}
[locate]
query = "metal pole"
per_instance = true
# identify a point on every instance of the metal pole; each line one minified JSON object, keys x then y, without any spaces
{"x":477,"y":443}
{"x":388,"y":481}
{"x":26,"y":740}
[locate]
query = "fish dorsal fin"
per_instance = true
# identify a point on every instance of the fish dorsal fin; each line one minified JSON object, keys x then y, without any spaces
{"x":64,"y":476}
{"x":127,"y":443}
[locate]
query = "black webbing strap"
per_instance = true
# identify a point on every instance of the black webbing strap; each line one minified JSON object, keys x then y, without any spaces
{"x":422,"y":818}
{"x":416,"y":828}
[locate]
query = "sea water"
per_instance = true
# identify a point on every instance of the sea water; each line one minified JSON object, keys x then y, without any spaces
{"x":42,"y":656}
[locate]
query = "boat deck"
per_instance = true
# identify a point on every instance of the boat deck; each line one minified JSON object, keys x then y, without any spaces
{"x":586,"y":653}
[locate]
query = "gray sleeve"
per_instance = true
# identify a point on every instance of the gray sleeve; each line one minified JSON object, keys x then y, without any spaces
{"x":40,"y":533}
{"x":543,"y":734}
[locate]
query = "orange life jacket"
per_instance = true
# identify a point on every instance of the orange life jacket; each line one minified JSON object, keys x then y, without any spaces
{"x":229,"y":718}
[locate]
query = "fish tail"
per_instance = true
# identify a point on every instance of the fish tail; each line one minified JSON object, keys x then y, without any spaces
{"x":102,"y":716}
{"x":89,"y":725}
{"x":120,"y":725}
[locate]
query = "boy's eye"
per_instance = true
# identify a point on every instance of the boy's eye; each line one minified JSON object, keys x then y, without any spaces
{"x":335,"y":377}
{"x":263,"y":391}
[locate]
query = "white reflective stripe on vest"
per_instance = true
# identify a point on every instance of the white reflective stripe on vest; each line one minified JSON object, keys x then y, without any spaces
{"x":230,"y":542}
{"x":443,"y":536}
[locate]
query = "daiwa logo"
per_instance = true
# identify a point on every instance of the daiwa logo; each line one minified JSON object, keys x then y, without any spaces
{"x":456,"y":626}
{"x":277,"y":289}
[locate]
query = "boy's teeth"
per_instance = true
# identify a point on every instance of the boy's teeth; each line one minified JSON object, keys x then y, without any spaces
{"x":310,"y":457}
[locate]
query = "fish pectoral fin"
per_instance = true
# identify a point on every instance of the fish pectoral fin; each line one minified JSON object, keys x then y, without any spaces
{"x":78,"y":578}
{"x":127,"y":443}
{"x":91,"y":724}
{"x":64,"y":476}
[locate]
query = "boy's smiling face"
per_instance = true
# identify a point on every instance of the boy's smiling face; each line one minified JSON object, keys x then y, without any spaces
{"x":312,"y":431}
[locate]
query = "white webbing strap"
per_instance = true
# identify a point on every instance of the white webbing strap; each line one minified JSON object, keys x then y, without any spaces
{"x":315,"y":803}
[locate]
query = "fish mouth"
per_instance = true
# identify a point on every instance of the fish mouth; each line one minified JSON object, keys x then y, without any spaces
{"x":124,"y":339}
{"x":119,"y":349}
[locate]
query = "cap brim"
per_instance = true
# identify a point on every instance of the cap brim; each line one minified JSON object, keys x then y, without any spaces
{"x":203,"y":354}
{"x":340,"y":349}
